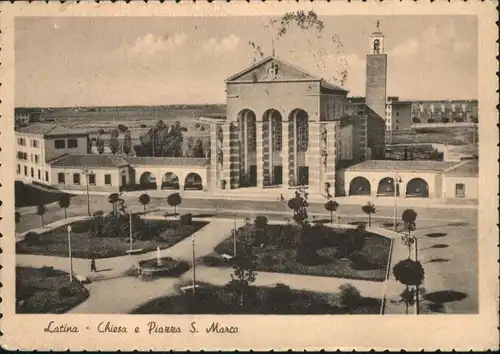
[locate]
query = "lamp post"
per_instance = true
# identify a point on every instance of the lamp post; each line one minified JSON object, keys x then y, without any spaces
{"x":396,"y":183}
{"x":234,"y":235}
{"x":130,"y":227}
{"x":86,"y":172}
{"x":70,"y":255}
{"x":194,"y":267}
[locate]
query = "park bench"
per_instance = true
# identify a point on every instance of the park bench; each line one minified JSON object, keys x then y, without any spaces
{"x":188,"y":288}
{"x":226,"y":257}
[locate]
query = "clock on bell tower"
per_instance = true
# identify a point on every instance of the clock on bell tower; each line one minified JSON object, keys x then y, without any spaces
{"x":376,"y":74}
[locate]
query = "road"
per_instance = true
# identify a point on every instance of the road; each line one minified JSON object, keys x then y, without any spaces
{"x":273,"y":209}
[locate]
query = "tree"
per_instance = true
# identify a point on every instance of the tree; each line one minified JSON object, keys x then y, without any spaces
{"x":41,"y":209}
{"x":299,"y":206}
{"x":127,"y":143}
{"x":64,"y":201}
{"x":174,"y":200}
{"x":114,"y":144}
{"x":331,"y":206}
{"x":17,"y":217}
{"x":244,"y":275}
{"x":99,"y":143}
{"x":113,"y":199}
{"x":409,"y":220}
{"x":260,"y":224}
{"x":409,"y":273}
{"x":144,"y":199}
{"x":369,"y":209}
{"x":349,"y":296}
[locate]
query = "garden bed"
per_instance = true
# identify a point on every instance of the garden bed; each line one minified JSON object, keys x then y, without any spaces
{"x":262,"y":300}
{"x":45,"y":290}
{"x":369,"y":263}
{"x":165,"y":233}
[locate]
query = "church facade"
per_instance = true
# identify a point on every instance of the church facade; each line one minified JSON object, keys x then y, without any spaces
{"x":287,"y":128}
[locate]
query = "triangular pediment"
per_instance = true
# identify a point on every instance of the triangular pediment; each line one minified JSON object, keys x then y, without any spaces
{"x":272,"y":69}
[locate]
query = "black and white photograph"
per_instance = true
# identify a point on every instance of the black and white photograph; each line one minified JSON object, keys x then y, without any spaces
{"x":293,"y":163}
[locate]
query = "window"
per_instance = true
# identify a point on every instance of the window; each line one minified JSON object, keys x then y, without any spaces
{"x":22,"y":141}
{"x":34,"y":143}
{"x":18,"y":169}
{"x":31,"y":158}
{"x":460,"y":190}
{"x":72,"y":143}
{"x":92,"y":179}
{"x":46,"y":176}
{"x":107,"y":179}
{"x":60,"y":144}
{"x":32,"y":172}
{"x":76,"y":178}
{"x":60,"y":178}
{"x":36,"y":158}
{"x":25,"y":170}
{"x":39,"y":174}
{"x":397,"y":114}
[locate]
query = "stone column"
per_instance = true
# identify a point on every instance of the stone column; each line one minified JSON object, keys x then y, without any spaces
{"x":285,"y":153}
{"x":214,"y":165}
{"x":331,"y":149}
{"x":259,"y":154}
{"x":270,"y":149}
{"x":265,"y":154}
{"x":230,"y":149}
{"x":314,"y":158}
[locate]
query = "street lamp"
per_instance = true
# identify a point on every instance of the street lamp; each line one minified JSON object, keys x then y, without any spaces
{"x":234,"y":236}
{"x":130,"y":227}
{"x":396,"y":183}
{"x":70,"y":255}
{"x":194,"y":266}
{"x":86,"y":172}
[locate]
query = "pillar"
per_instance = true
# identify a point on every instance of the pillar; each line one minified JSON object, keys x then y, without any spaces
{"x":214,"y":165}
{"x":314,"y":158}
{"x":231,"y":158}
{"x":270,"y":149}
{"x":331,"y":149}
{"x":259,"y":154}
{"x":285,"y":153}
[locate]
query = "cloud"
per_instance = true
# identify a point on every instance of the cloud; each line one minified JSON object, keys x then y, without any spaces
{"x":151,"y":44}
{"x":229,"y":43}
{"x":407,"y":48}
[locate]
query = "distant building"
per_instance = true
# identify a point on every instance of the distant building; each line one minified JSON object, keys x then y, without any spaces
{"x":37,"y":145}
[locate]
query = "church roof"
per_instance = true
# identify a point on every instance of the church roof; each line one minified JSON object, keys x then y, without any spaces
{"x":293,"y":73}
{"x":402,"y":166}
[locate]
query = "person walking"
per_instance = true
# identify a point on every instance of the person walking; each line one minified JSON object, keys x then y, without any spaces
{"x":92,"y":265}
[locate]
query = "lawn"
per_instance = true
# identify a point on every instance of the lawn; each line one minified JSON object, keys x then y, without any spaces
{"x":263,"y":300}
{"x":45,"y":290}
{"x":369,"y":263}
{"x":166,"y":233}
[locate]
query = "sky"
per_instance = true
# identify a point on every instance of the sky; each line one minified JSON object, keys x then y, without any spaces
{"x":108,"y":61}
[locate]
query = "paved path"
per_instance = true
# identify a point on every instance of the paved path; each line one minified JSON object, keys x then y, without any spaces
{"x":111,"y":292}
{"x":221,"y":276}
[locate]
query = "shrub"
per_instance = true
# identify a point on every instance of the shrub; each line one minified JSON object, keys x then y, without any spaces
{"x":32,"y":238}
{"x":279,"y":298}
{"x":349,"y":296}
{"x":409,"y":272}
{"x":186,"y":219}
{"x":261,"y":222}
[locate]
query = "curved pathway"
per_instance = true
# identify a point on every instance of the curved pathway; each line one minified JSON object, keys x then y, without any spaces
{"x":113,"y":292}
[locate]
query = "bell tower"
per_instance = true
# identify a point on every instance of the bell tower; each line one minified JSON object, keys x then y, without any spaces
{"x":376,"y":74}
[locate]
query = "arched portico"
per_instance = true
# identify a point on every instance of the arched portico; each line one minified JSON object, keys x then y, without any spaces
{"x":386,"y":187}
{"x":170,"y":181}
{"x":359,"y":186}
{"x":247,"y":136}
{"x":148,"y":180}
{"x":193,"y":181}
{"x":417,"y":187}
{"x":298,"y":134}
